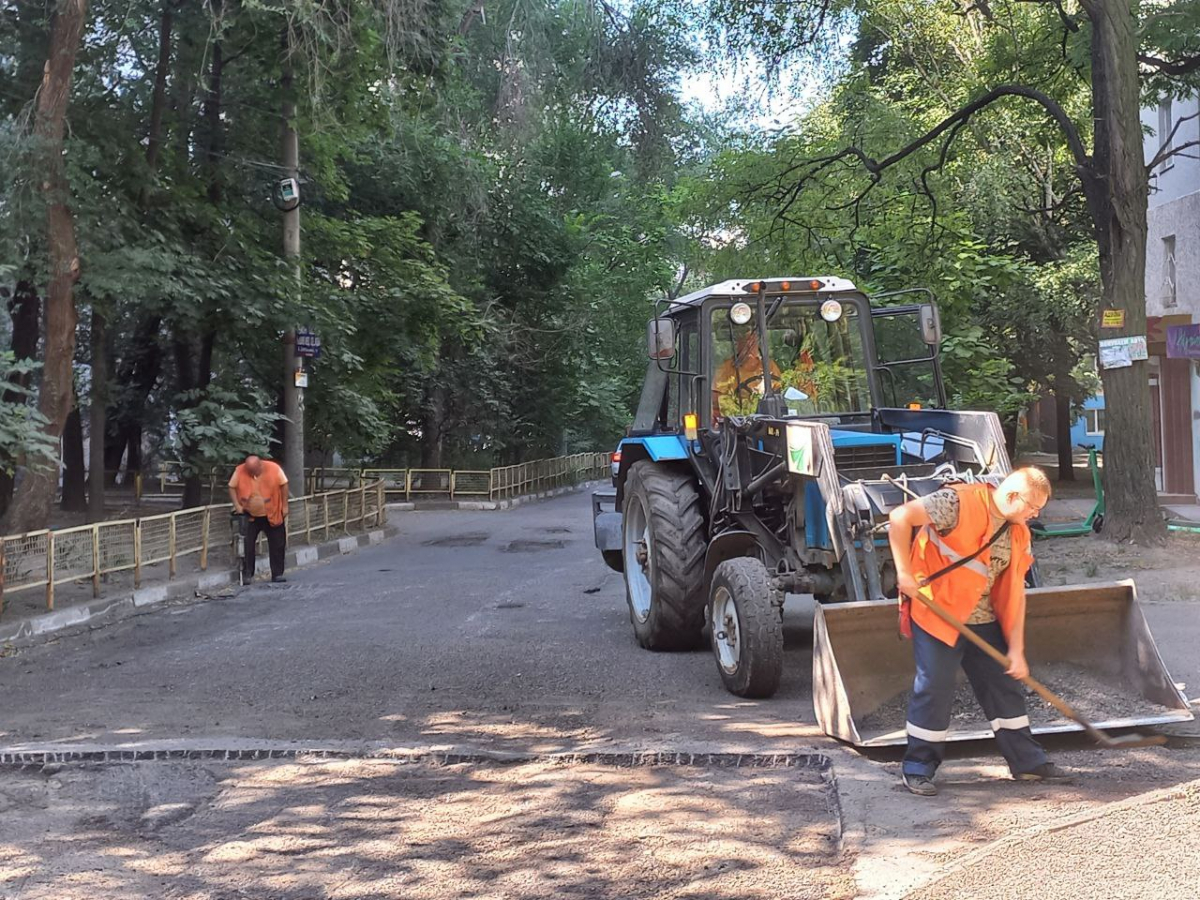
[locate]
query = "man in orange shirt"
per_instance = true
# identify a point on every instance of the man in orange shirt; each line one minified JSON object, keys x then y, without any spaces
{"x":259,"y":490}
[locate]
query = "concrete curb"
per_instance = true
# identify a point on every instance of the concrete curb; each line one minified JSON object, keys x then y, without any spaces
{"x":105,"y":611}
{"x":478,"y":505}
{"x":57,"y":755}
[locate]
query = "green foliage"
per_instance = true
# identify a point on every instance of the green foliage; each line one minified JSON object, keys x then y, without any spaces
{"x":22,"y":435}
{"x":218,"y":427}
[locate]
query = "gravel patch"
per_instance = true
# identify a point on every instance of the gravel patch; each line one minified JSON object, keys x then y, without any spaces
{"x":376,"y":829}
{"x":1135,"y":851}
{"x":1095,"y":697}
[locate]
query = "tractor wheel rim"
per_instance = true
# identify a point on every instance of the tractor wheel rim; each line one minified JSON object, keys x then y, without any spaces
{"x":726,"y":630}
{"x":639,"y":562}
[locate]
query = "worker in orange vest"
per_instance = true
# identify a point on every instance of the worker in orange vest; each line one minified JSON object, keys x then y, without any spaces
{"x":738,"y":382}
{"x":259,"y":490}
{"x":987,"y":527}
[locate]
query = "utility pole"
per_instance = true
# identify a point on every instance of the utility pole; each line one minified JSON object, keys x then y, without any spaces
{"x":293,"y":395}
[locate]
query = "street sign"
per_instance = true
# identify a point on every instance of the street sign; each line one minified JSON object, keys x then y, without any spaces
{"x":308,"y":344}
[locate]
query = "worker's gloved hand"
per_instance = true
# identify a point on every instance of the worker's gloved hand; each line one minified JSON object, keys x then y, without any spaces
{"x":907,"y":584}
{"x":1019,"y":668}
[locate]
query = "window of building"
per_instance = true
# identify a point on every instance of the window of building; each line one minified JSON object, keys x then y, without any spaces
{"x":1094,"y":421}
{"x":1169,"y":298}
{"x":1166,"y":121}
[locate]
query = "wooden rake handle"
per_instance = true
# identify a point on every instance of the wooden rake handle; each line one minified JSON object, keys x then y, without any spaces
{"x":1126,"y":741}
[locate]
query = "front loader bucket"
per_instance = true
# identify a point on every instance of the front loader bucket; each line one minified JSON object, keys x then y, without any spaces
{"x":1088,"y":643}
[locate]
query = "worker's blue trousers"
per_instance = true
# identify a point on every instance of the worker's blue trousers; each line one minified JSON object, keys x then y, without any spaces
{"x":931,"y":705}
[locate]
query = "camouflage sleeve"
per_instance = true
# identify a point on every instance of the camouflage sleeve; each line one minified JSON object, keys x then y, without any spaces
{"x":942,"y":508}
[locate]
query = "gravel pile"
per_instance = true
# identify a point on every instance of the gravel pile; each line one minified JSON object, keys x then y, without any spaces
{"x":1095,"y":698}
{"x":1136,"y":851}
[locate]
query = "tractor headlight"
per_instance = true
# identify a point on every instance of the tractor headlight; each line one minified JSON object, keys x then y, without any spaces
{"x":831,"y":310}
{"x":740,"y":313}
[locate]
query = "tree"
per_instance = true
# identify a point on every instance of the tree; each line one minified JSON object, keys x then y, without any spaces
{"x":1112,"y":175}
{"x":31,"y":505}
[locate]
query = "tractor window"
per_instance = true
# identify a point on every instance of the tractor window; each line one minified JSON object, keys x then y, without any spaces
{"x":819,"y":367}
{"x":684,"y":363}
{"x":906,"y":371}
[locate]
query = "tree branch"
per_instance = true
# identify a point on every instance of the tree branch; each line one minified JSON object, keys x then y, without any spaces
{"x":1171,"y":67}
{"x":1165,"y":151}
{"x":1176,"y":151}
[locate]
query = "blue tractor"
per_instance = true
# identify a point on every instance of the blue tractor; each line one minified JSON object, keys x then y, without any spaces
{"x":780,"y":421}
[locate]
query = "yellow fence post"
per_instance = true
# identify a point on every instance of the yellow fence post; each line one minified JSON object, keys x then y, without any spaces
{"x":137,"y":485}
{"x":171,"y":545}
{"x":325,"y":507}
{"x":95,"y":561}
{"x":307,"y":501}
{"x":205,"y":522}
{"x":49,"y":570}
{"x":137,"y":553}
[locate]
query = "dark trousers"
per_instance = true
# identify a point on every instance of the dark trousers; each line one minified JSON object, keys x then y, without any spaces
{"x":276,"y":545}
{"x":932,"y":701}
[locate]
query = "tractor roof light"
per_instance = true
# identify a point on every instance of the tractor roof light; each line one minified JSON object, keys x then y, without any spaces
{"x":784,"y":287}
{"x":740,"y":313}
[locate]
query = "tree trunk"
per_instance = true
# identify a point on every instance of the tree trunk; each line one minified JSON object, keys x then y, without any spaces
{"x":193,"y":363}
{"x":31,"y":44}
{"x":154,"y":137}
{"x":74,"y":486}
{"x":137,"y":376}
{"x":31,"y":505}
{"x":432,"y":428}
{"x":1117,"y":191}
{"x":97,"y":416}
{"x":1062,"y":435}
{"x":25,"y":310}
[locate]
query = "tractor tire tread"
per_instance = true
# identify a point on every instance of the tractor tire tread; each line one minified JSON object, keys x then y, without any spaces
{"x":761,"y":624}
{"x":673,"y":503}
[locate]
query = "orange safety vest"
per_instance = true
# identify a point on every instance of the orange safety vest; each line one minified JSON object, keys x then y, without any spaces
{"x":960,"y":591}
{"x":270,"y":483}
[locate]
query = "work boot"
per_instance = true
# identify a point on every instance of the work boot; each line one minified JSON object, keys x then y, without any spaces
{"x":1047,"y":771}
{"x":921,"y":785}
{"x":278,"y":579}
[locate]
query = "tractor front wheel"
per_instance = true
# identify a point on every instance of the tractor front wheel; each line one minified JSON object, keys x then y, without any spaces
{"x":664,"y":544}
{"x":747,"y":628}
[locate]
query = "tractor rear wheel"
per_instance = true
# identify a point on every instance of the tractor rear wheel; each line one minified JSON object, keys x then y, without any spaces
{"x":747,"y":628}
{"x":664,"y":545}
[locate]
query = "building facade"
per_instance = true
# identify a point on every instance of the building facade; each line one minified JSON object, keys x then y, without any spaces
{"x":1173,"y":294}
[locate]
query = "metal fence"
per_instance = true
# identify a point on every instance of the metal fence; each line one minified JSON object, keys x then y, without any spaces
{"x":47,"y":559}
{"x":494,"y":484}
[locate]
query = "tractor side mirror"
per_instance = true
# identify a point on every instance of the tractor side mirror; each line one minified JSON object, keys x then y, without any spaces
{"x":660,"y":339}
{"x":931,"y":324}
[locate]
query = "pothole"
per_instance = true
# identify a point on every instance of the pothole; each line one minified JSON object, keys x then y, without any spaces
{"x":458,"y":540}
{"x":533,"y":546}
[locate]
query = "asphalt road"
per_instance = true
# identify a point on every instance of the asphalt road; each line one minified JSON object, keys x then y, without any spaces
{"x":486,"y":629}
{"x":490,"y":630}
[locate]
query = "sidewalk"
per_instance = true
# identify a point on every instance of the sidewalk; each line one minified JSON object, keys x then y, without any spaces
{"x":77,"y":609}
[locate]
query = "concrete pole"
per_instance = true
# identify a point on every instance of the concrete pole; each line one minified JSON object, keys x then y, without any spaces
{"x":293,"y":397}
